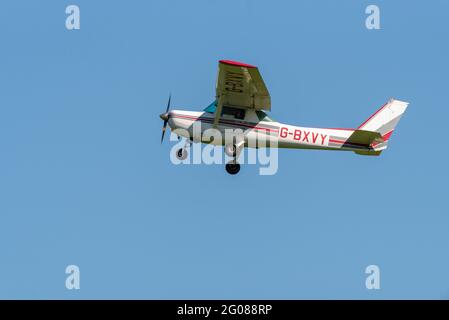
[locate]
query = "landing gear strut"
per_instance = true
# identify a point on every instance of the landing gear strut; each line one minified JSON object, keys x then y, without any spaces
{"x":233,"y":150}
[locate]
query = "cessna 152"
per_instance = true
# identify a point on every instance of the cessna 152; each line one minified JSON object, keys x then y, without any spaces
{"x":241,"y":101}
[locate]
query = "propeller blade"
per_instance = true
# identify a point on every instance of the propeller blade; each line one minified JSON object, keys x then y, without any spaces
{"x":163,"y":133}
{"x":164,"y":116}
{"x":168,"y":104}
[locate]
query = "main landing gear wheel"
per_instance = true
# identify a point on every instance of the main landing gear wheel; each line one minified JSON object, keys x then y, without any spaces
{"x":232,"y":167}
{"x":181,"y":154}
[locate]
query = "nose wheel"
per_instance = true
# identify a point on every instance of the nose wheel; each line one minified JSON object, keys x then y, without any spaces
{"x":232,"y":167}
{"x":182,"y":154}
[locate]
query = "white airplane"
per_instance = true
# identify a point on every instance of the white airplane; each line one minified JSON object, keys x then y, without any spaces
{"x":241,"y":101}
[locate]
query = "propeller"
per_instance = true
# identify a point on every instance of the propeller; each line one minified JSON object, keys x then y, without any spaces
{"x":164,"y":116}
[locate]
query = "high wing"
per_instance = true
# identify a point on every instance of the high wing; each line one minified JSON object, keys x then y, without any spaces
{"x":240,"y":85}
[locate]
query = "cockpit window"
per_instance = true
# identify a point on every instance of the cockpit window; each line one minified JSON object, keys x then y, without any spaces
{"x":236,"y":112}
{"x":263,"y":116}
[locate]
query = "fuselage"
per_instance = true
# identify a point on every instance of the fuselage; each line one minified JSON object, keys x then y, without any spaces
{"x":199,"y":126}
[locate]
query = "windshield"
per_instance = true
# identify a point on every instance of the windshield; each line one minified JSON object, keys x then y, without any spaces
{"x":211,"y":108}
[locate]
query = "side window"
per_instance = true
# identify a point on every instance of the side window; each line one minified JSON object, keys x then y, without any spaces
{"x":240,"y":114}
{"x":236,"y":112}
{"x":263,"y":116}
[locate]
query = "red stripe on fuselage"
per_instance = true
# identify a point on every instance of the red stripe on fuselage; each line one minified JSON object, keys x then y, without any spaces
{"x":344,"y":142}
{"x":222,"y":121}
{"x":344,"y":129}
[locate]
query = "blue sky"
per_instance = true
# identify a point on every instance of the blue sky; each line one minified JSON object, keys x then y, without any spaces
{"x":85,"y":181}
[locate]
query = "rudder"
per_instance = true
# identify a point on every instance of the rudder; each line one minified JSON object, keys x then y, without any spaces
{"x":384,"y":121}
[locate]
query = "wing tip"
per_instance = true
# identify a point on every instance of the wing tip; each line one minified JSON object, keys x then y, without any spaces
{"x":237,"y":64}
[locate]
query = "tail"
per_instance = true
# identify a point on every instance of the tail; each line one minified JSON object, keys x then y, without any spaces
{"x":384,"y":121}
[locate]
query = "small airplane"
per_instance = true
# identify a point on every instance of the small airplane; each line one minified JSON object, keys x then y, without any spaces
{"x":242,"y":100}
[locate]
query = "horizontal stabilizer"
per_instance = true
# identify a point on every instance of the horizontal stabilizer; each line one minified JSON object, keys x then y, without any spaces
{"x":364,"y":138}
{"x":368,"y":153}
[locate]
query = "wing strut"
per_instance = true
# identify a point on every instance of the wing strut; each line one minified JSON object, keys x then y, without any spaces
{"x":218,"y":110}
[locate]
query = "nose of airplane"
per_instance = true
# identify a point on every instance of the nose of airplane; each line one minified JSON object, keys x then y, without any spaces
{"x":164,"y":116}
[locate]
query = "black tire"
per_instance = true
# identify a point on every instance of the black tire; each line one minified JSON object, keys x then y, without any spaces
{"x":181,"y":154}
{"x":232,"y":167}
